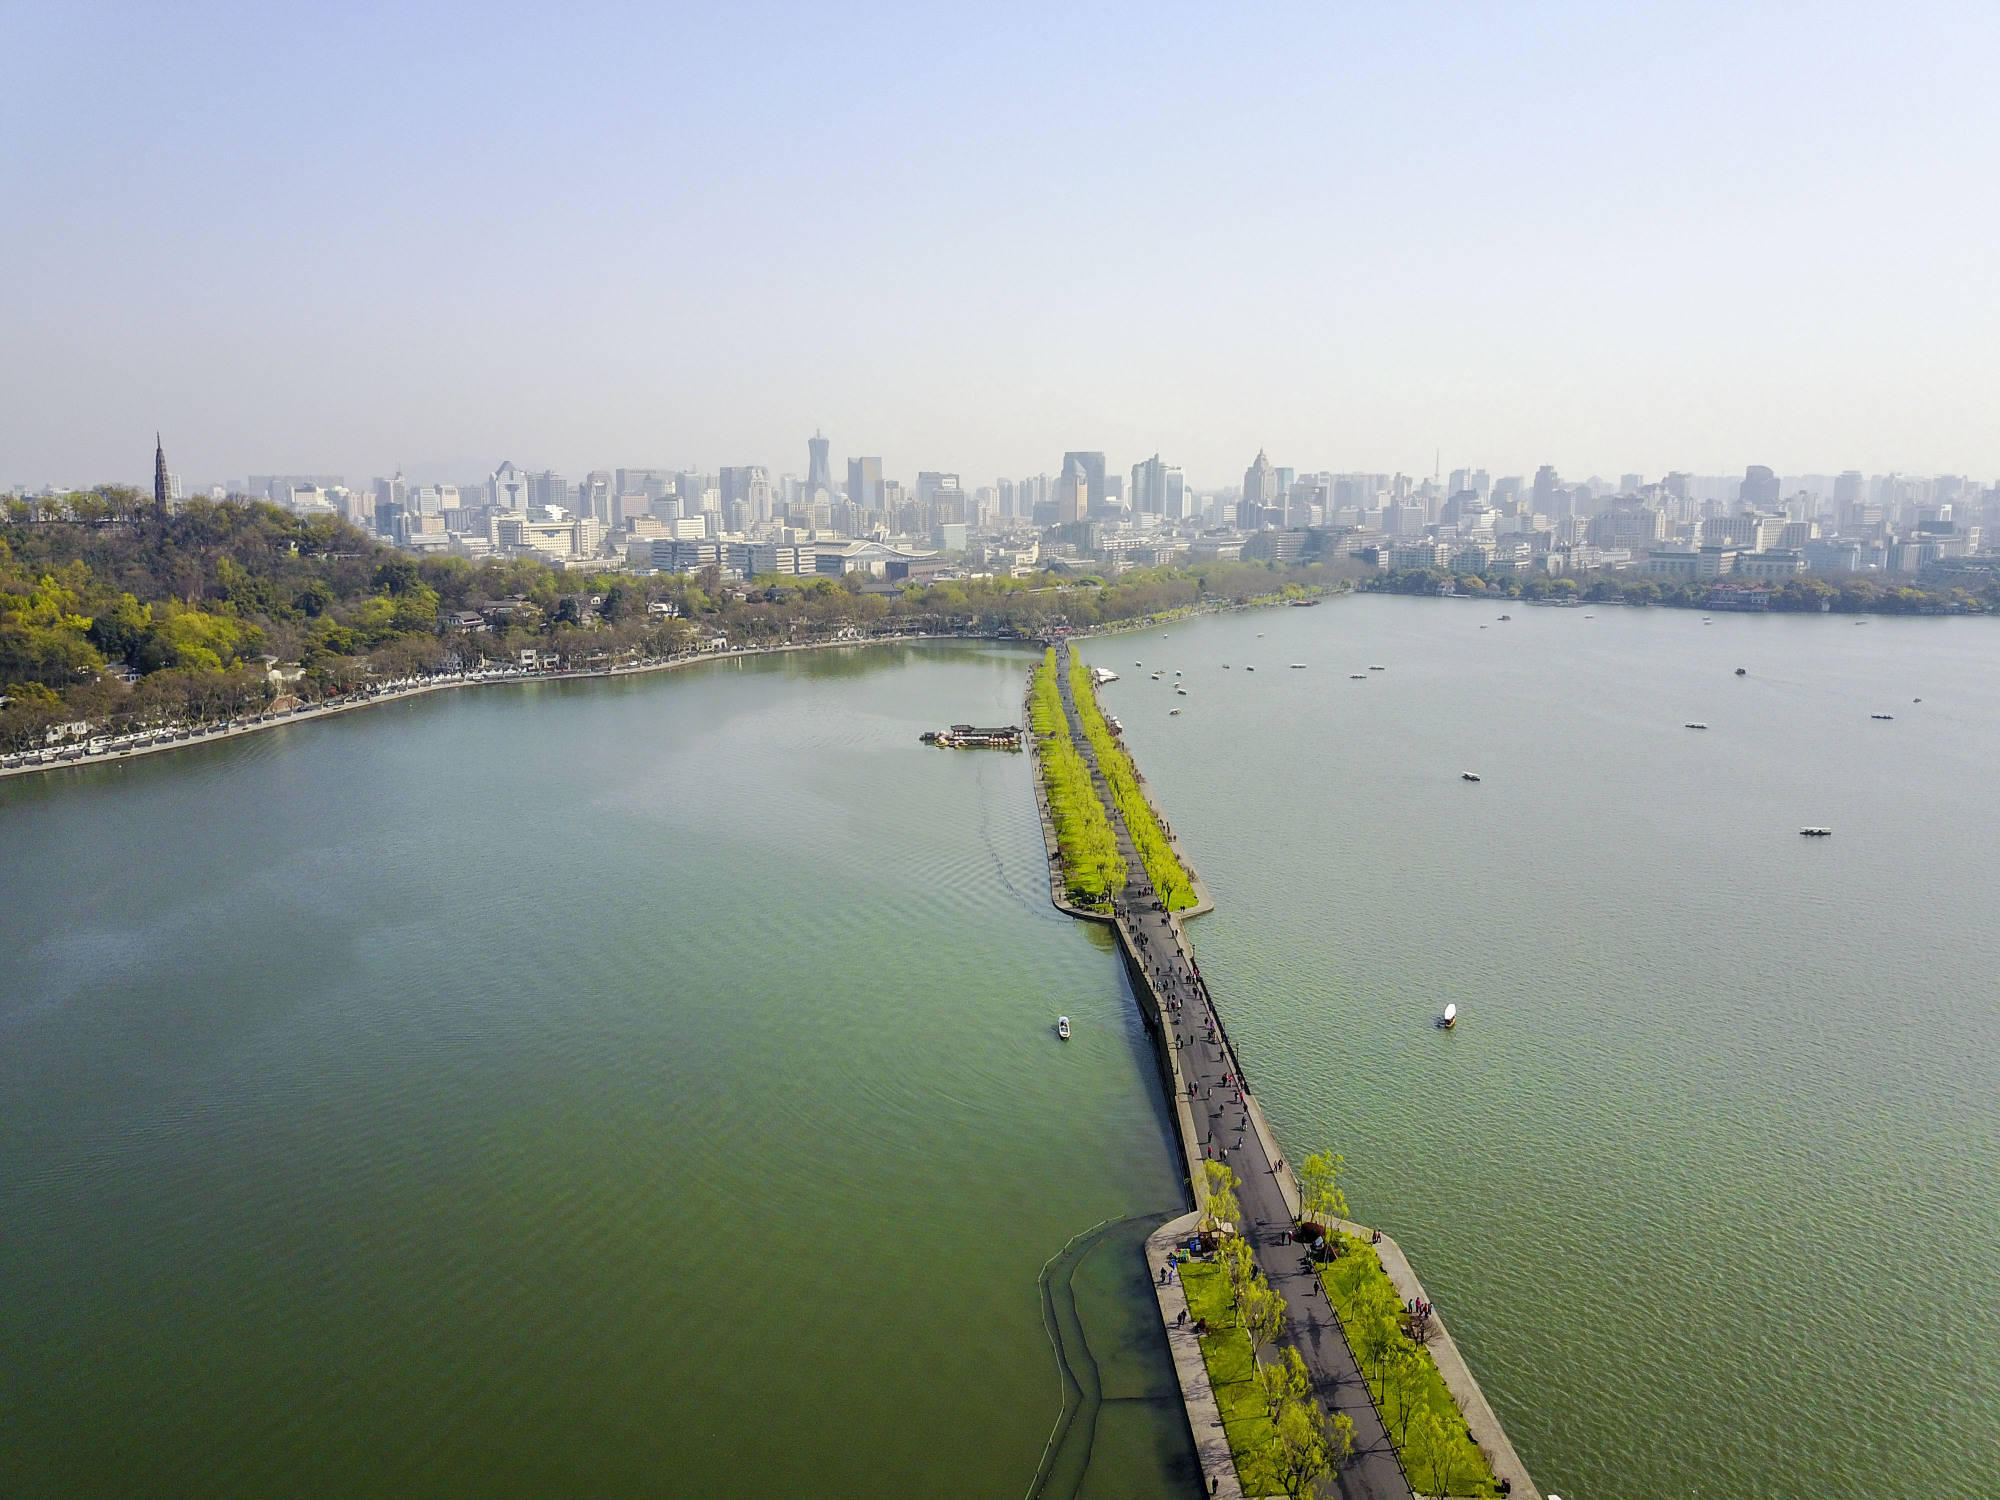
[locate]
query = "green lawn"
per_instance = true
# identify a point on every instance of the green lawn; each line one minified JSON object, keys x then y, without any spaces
{"x":1226,"y":1352}
{"x":1366,"y":1301}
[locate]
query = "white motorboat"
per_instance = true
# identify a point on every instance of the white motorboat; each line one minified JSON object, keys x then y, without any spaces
{"x":1062,"y":1027}
{"x":1450,"y":1017}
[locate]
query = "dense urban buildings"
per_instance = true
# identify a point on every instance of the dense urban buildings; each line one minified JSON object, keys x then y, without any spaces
{"x":1747,"y":533}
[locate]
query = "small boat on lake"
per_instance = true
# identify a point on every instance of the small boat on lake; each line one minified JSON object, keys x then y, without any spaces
{"x":1181,"y":690}
{"x":1816,"y":833}
{"x":1062,"y":1027}
{"x":1378,"y":669}
{"x":1357,"y":676}
{"x":1692,"y":725}
{"x":1881,"y":716}
{"x":1467,"y":776}
{"x":1450,"y":1017}
{"x":1249,"y":669}
{"x":1172,"y":711}
{"x":1742,"y":672}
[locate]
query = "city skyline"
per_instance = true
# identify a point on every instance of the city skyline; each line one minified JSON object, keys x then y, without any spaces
{"x":1657,"y":240}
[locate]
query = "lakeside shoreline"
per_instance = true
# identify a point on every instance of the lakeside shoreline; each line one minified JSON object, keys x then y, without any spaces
{"x":310,"y":713}
{"x":75,"y":757}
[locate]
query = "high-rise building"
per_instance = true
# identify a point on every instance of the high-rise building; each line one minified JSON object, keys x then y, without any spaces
{"x":1174,"y":497}
{"x":1260,"y":489}
{"x":549,"y":490}
{"x":819,"y":474}
{"x":652,"y":483}
{"x":593,"y":496}
{"x":507,"y":487}
{"x":1072,"y":495}
{"x":1547,"y":484}
{"x":1091,"y":466}
{"x":1149,"y":487}
{"x":1760,"y":488}
{"x":864,"y":482}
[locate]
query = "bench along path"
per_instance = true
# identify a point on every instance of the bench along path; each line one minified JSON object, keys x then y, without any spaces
{"x":1222,"y":1114}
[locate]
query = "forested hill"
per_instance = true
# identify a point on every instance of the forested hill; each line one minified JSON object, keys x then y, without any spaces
{"x":115,"y":614}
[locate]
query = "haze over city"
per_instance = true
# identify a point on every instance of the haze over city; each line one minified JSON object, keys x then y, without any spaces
{"x":1670,"y":238}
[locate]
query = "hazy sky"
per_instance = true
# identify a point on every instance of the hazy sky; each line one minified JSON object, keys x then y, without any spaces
{"x":1611,"y":237}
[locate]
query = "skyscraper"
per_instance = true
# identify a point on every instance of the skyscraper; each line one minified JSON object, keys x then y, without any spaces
{"x":1091,"y":466}
{"x":1759,"y":490}
{"x":1260,"y":489}
{"x":819,"y":474}
{"x":1546,"y":484}
{"x":507,"y":486}
{"x":864,"y":482}
{"x":1149,"y":486}
{"x":1072,"y":494}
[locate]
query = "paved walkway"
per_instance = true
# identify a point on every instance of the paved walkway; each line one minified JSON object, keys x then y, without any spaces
{"x":1222,"y":1112}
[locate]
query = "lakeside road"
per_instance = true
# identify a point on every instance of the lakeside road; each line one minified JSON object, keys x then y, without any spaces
{"x":307,"y":713}
{"x":1221,"y":1108}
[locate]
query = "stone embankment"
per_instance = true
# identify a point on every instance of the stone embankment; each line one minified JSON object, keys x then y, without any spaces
{"x":1217,"y":1117}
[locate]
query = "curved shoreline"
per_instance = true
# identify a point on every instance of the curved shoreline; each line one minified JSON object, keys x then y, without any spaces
{"x":309,"y":713}
{"x":72,"y":758}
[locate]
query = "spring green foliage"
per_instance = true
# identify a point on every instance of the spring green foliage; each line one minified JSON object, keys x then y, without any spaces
{"x":1319,"y":1185}
{"x":1975,"y":592}
{"x":1306,"y":1445}
{"x":1232,"y":1374}
{"x":1163,"y":866}
{"x":1277,"y":1433}
{"x":1402,"y":1377}
{"x":98,"y":587}
{"x":1222,"y":1184}
{"x":1092,"y":865}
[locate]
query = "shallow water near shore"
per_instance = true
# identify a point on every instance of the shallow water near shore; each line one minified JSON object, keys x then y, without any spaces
{"x":1703,"y":1181}
{"x":613,"y":1088}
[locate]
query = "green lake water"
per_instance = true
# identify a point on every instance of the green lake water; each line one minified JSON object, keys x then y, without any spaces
{"x":632,"y":1088}
{"x":1707,"y":1180}
{"x":647,"y":1087}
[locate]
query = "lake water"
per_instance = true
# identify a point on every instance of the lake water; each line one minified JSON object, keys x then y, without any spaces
{"x":1705,"y":1180}
{"x":647,"y":1087}
{"x":621,"y":1088}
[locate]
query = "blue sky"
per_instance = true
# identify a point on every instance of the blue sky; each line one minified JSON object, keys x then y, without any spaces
{"x":1612,"y":238}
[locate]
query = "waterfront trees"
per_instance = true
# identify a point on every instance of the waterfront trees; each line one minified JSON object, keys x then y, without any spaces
{"x":1163,"y":866}
{"x":1222,"y":1183}
{"x":1306,"y":1447}
{"x":1402,"y":1377}
{"x":1092,"y":866}
{"x":1319,"y":1185}
{"x":97,"y":587}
